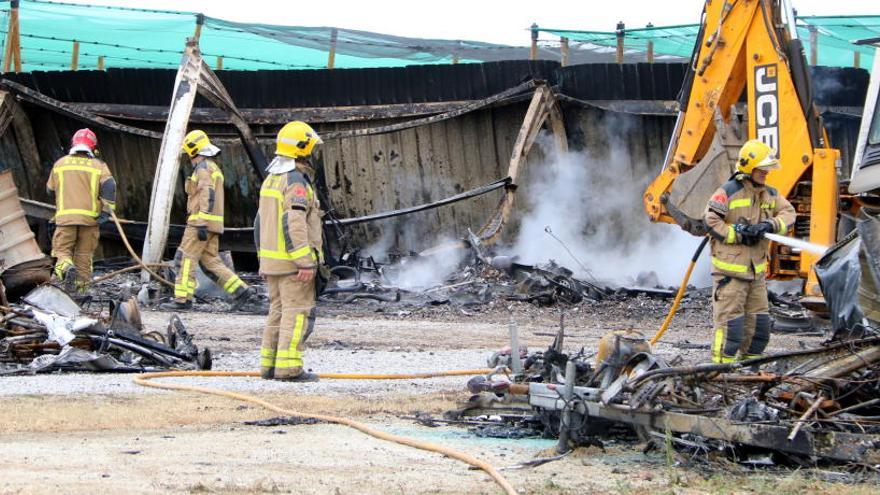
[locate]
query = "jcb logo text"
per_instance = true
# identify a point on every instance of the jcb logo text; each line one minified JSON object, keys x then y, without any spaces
{"x":767,"y":105}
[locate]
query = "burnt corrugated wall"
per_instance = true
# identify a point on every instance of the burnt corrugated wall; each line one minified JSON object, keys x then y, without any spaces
{"x":375,"y":173}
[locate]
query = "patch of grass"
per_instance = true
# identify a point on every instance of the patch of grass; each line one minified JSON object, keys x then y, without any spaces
{"x":90,"y":413}
{"x":795,"y":483}
{"x":551,"y":487}
{"x":671,"y":464}
{"x":623,"y":486}
{"x":261,"y":486}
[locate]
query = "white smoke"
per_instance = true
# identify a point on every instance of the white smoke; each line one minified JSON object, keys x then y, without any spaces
{"x":432,"y":268}
{"x":380,"y":248}
{"x":594,"y":205}
{"x":415,"y":233}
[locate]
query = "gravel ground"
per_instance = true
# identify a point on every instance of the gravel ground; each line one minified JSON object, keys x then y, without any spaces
{"x":433,"y":339}
{"x":88,"y":433}
{"x":319,"y":360}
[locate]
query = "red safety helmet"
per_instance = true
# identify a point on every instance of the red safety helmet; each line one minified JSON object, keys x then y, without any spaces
{"x":86,"y":138}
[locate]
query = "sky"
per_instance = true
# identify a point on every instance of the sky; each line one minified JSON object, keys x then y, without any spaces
{"x":495,"y":21}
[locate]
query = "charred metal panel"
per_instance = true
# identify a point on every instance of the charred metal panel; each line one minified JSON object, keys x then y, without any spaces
{"x":622,"y":82}
{"x":374,"y":173}
{"x":429,"y":83}
{"x":833,"y":86}
{"x":297,"y":88}
{"x":414,"y":166}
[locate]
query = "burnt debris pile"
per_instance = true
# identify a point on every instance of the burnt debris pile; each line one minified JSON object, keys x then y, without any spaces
{"x":817,"y":405}
{"x":47,"y":331}
{"x":802,"y":408}
{"x":475,"y":278}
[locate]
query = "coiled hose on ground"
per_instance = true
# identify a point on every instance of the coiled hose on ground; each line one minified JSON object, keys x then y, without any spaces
{"x":145,"y":380}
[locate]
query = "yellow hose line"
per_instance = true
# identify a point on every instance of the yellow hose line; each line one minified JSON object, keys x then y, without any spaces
{"x":144,"y":380}
{"x":681,"y":290}
{"x":134,"y":255}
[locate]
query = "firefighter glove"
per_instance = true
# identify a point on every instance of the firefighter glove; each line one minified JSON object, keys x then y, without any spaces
{"x":745,"y":234}
{"x":103,"y":218}
{"x":758,"y":230}
{"x":202,"y":231}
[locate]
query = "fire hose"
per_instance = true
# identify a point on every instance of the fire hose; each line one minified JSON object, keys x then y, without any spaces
{"x":145,"y":381}
{"x":134,"y":255}
{"x":681,"y":290}
{"x":788,"y":241}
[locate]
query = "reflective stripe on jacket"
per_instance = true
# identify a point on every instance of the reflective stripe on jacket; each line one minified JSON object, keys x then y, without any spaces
{"x":204,"y":196}
{"x":740,"y":201}
{"x":83,"y":187}
{"x":284,"y":229}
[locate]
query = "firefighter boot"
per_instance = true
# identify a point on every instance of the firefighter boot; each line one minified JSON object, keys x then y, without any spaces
{"x":267,"y":373}
{"x":303,"y":376}
{"x":68,"y":280}
{"x":176,"y":305}
{"x":241,"y":297}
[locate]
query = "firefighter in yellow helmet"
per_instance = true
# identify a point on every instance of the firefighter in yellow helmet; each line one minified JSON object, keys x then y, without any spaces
{"x":738,"y":215}
{"x":204,"y":225}
{"x":287,"y":232}
{"x":85,"y":192}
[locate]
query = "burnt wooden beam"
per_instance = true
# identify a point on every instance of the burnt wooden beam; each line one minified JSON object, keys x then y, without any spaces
{"x":186,"y":85}
{"x":275,"y":116}
{"x":542,"y":107}
{"x":24,"y":138}
{"x":638,"y":107}
{"x":33,"y":96}
{"x":213,"y":90}
{"x":470,"y":107}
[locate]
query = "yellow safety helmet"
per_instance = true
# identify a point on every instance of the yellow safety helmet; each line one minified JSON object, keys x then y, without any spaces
{"x":197,"y":143}
{"x":755,"y":154}
{"x":296,"y":140}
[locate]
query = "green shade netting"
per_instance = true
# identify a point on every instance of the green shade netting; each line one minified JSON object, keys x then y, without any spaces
{"x":139,"y":38}
{"x":836,"y":35}
{"x":676,"y":41}
{"x":128,"y":37}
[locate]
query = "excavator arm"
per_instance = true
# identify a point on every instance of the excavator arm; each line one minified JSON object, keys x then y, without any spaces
{"x":748,"y":79}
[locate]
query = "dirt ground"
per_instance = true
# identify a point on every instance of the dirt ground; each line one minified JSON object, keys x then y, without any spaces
{"x":80,"y":433}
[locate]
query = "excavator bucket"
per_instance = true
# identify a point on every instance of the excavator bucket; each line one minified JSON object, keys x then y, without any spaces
{"x":691,"y":190}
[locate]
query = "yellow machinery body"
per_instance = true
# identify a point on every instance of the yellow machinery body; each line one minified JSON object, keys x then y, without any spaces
{"x":745,"y":49}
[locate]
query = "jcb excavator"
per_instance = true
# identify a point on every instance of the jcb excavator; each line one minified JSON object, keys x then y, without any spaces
{"x":749,"y":79}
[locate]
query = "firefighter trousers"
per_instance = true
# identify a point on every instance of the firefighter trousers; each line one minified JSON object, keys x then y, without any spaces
{"x":206,"y":254}
{"x":291,"y":320}
{"x":741,"y":317}
{"x":73,"y":246}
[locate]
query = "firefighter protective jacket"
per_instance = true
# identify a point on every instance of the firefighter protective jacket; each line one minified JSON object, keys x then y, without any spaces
{"x":739,"y":200}
{"x":83,"y":187}
{"x":287,"y":230}
{"x":204,"y":196}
